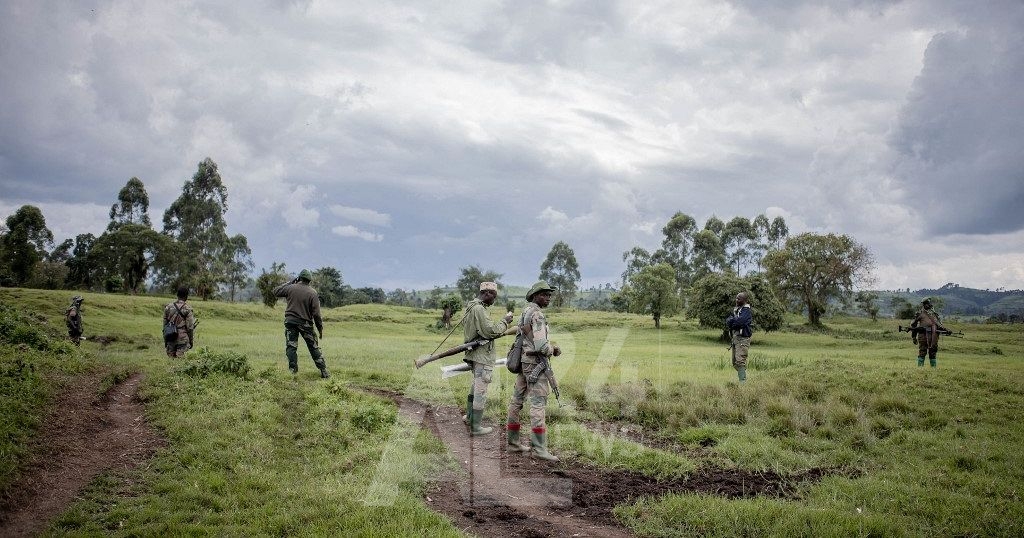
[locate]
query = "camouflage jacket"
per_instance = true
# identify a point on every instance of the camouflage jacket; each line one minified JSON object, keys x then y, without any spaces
{"x":535,"y":334}
{"x":477,"y":325}
{"x":926,"y":317}
{"x":73,"y":319}
{"x":185,"y":322}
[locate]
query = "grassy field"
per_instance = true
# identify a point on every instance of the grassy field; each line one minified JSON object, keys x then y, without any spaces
{"x":910,"y":451}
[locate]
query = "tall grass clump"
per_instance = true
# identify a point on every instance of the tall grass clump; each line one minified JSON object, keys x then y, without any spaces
{"x":205,"y":361}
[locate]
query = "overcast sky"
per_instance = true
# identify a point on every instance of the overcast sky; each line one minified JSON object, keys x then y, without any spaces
{"x":399,"y":141}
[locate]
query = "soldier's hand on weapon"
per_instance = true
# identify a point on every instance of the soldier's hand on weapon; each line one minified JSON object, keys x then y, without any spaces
{"x":508,"y":317}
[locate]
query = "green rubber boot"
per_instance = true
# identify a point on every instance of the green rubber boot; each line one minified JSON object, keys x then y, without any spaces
{"x":920,"y":361}
{"x":540,"y":445}
{"x":742,"y":373}
{"x":474,"y":425}
{"x":932,"y":362}
{"x":514,"y":443}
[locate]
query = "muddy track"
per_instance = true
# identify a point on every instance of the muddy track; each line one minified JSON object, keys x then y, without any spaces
{"x":509,"y":494}
{"x":85,"y":435}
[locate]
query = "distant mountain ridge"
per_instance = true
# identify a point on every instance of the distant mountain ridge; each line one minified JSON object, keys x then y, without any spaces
{"x":960,"y":300}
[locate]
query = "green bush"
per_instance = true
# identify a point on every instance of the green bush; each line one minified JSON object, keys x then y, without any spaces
{"x":204,"y":362}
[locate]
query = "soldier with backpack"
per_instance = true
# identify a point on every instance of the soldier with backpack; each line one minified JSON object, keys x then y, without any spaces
{"x":532,"y":384}
{"x":73,"y":319}
{"x":179,"y":324}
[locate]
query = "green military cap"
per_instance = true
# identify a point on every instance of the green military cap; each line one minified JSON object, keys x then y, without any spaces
{"x":926,"y":302}
{"x":537,"y":288}
{"x":305,"y":275}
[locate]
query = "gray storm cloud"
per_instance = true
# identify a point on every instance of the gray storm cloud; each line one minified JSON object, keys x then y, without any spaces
{"x":959,"y":138}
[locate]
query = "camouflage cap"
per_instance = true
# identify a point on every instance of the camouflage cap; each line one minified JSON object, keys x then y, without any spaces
{"x":537,"y":288}
{"x":305,"y":275}
{"x":485,"y":286}
{"x":77,"y":299}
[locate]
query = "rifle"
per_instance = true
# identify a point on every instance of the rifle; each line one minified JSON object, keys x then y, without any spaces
{"x":544,"y":368}
{"x":460,"y":349}
{"x":914,"y":331}
{"x":456,"y":369}
{"x":192,"y":335}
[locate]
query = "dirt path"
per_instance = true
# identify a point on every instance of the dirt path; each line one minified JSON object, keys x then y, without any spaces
{"x":510,"y":494}
{"x":85,"y":435}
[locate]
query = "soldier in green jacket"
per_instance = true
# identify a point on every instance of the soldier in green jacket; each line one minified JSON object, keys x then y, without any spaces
{"x":301,"y":314}
{"x":478,"y":325}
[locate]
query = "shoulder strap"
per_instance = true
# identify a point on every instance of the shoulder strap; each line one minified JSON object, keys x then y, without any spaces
{"x":526,"y":325}
{"x":180,"y":315}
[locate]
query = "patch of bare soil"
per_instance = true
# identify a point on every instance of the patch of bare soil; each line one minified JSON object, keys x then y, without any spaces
{"x":86,"y":434}
{"x":499,"y":493}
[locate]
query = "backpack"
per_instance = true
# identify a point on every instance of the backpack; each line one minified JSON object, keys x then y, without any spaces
{"x":514,"y":359}
{"x":74,"y":322}
{"x":171,"y":328}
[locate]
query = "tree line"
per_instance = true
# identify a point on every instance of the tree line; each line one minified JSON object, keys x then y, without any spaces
{"x":193,"y":249}
{"x":698,"y":271}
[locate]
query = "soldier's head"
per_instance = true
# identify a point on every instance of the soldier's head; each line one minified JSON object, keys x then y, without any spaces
{"x":927,"y":303}
{"x":540,"y":294}
{"x":77,"y":300}
{"x":305,"y":276}
{"x":183,"y":293}
{"x":741,"y":298}
{"x":488,"y":292}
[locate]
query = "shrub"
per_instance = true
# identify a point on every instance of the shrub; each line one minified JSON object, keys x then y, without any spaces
{"x":204,"y":362}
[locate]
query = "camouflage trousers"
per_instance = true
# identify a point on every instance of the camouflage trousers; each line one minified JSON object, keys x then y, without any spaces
{"x":924,"y":349}
{"x":292,"y":331}
{"x":176,"y":350}
{"x":482,"y":375}
{"x":740,"y":349}
{"x":538,"y":396}
{"x":76,"y":337}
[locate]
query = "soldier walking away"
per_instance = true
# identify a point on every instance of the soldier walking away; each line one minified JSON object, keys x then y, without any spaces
{"x":73,"y":319}
{"x":533,"y":381}
{"x":739,"y":327}
{"x":446,"y":317}
{"x":478,"y":325}
{"x":300,"y":316}
{"x":927,"y":341}
{"x":179,"y":314}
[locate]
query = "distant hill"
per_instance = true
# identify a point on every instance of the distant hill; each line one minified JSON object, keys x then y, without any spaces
{"x":959,"y":300}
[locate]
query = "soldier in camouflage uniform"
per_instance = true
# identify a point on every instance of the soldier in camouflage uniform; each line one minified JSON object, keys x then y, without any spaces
{"x":534,"y":328}
{"x":180,"y":314}
{"x":300,"y":316}
{"x":478,"y":325}
{"x":73,"y":319}
{"x":928,"y":341}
